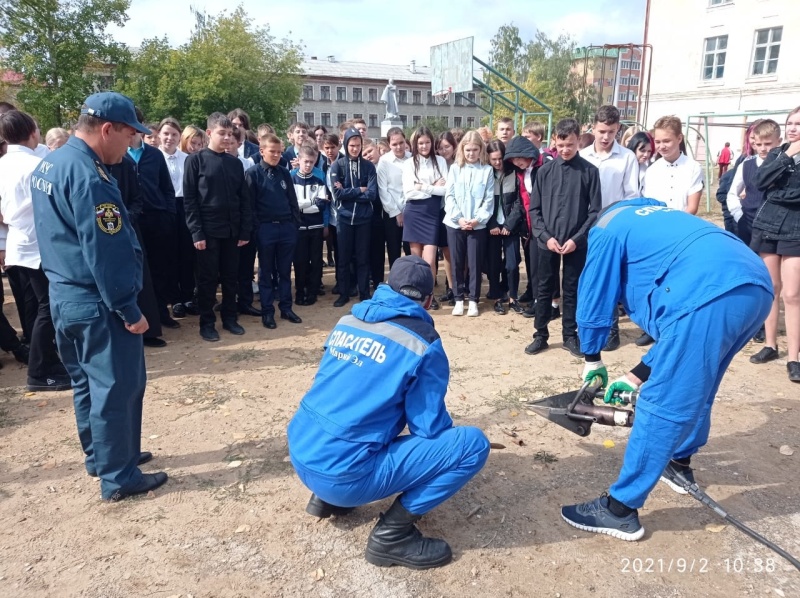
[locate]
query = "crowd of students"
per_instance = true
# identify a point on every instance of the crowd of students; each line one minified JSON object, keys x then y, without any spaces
{"x":207,"y":202}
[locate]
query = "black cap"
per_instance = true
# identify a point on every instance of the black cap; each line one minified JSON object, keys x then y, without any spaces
{"x":411,"y":276}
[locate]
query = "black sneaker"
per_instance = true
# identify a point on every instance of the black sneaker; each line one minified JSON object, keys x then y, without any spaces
{"x":612,"y":344}
{"x":573,"y":345}
{"x":447,"y":296}
{"x":674,"y":469}
{"x":515,"y":307}
{"x":150,"y":481}
{"x":595,"y":516}
{"x":555,"y":312}
{"x":761,"y":336}
{"x":644,"y":340}
{"x":766,"y":354}
{"x":49,"y":383}
{"x":530,"y":311}
{"x":209,"y":333}
{"x":793,"y":368}
{"x":526,"y":297}
{"x":154,"y":342}
{"x":538,"y":345}
{"x":499,"y":308}
{"x":168,"y":322}
{"x":178,"y":310}
{"x":233,"y":328}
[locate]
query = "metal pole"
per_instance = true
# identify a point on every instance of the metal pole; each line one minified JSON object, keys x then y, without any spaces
{"x":709,"y":175}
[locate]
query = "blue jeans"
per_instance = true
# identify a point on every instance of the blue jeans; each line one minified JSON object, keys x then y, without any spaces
{"x":276,"y":243}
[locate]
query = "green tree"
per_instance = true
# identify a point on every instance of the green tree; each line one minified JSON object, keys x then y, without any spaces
{"x":437,"y":124}
{"x":227,"y":63}
{"x":63,"y":52}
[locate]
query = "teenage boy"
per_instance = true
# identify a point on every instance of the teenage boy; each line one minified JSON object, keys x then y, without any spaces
{"x":355,"y":187}
{"x":534,"y":132}
{"x":157,"y":221}
{"x":619,"y":175}
{"x":330,"y":147}
{"x":277,"y":217}
{"x":218,"y":214}
{"x":505,"y":129}
{"x":312,"y":198}
{"x":390,"y":189}
{"x":298,"y":135}
{"x":565,"y":202}
{"x":361,"y":126}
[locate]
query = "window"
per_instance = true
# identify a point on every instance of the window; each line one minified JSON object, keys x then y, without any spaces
{"x":631,"y":96}
{"x":622,"y":96}
{"x":634,"y":81}
{"x":623,"y":80}
{"x":308,"y":92}
{"x":470,"y":122}
{"x":609,"y":99}
{"x":612,"y":66}
{"x":635,"y":65}
{"x":714,"y":57}
{"x":341,"y":94}
{"x":719,"y":2}
{"x":358,"y":94}
{"x":430,"y":98}
{"x":340,"y":118}
{"x":446,"y":121}
{"x":373,"y":120}
{"x":308,"y":118}
{"x":631,"y":111}
{"x":325,"y":119}
{"x":404,"y":119}
{"x":325,"y":92}
{"x":471,"y":96}
{"x":766,"y":50}
{"x":292,"y":118}
{"x":416,"y":96}
{"x":416,"y":119}
{"x":373,"y":94}
{"x":457,"y":122}
{"x":355,"y":116}
{"x":402,"y":96}
{"x":626,"y":64}
{"x":458,"y":100}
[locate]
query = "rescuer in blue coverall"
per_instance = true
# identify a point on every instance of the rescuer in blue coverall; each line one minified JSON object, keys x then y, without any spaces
{"x":702,"y":294}
{"x":384,"y":368}
{"x":94,"y":264}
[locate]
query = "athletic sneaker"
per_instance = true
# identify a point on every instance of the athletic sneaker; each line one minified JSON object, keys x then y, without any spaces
{"x":671,"y":469}
{"x":595,"y":516}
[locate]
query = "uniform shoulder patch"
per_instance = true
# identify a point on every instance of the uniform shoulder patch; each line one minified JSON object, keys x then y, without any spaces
{"x":101,"y":171}
{"x":108,"y":218}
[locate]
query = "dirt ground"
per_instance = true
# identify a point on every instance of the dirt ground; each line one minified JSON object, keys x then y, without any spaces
{"x":231,"y":521}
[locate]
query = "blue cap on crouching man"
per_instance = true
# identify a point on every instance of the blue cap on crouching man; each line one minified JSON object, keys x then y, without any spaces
{"x":411,"y":276}
{"x":113,"y":107}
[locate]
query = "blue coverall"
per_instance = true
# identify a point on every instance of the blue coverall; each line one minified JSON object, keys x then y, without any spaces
{"x":94,"y":264}
{"x":384,"y":367}
{"x":696,"y":289}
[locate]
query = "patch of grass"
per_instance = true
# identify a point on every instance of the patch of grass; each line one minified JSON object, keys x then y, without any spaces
{"x":5,"y":418}
{"x":545,"y":457}
{"x":245,"y":354}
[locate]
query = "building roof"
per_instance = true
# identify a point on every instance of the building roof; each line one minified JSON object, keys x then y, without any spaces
{"x":330,"y":67}
{"x":595,"y":52}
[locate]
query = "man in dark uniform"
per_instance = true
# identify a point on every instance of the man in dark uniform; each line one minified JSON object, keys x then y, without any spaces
{"x":94,"y":263}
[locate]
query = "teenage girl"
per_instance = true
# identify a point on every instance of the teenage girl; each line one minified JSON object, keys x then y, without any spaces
{"x":776,"y":235}
{"x":446,"y":145}
{"x":469,"y":204}
{"x":424,"y":179}
{"x":641,"y":144}
{"x":390,"y":191}
{"x":193,"y":139}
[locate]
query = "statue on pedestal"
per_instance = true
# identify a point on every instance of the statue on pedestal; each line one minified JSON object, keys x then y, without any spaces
{"x":389,"y":97}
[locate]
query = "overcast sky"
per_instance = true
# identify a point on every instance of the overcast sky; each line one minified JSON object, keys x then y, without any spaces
{"x":360,"y":30}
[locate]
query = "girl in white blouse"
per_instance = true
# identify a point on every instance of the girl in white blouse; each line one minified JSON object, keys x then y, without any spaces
{"x":469,"y":203}
{"x":424,"y":178}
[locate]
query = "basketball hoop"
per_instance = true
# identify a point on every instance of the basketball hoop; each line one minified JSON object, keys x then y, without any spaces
{"x":442,"y":97}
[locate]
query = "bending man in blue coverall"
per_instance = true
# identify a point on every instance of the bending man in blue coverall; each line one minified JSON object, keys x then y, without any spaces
{"x":384,"y":368}
{"x":702,"y":294}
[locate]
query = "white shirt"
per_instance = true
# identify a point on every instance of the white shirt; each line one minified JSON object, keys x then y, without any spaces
{"x":737,"y":186}
{"x":16,"y":168}
{"x":246,"y":162}
{"x":674,"y":182}
{"x":426,"y":175}
{"x":619,"y":172}
{"x":175,"y":164}
{"x":41,"y":150}
{"x":390,"y":183}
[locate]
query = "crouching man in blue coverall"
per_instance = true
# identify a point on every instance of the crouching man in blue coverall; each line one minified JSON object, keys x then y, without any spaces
{"x":702,"y":294}
{"x":384,"y":368}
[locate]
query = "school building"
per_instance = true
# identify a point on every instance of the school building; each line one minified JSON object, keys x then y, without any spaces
{"x":335,"y":91}
{"x":722,"y":57}
{"x":614,"y":72}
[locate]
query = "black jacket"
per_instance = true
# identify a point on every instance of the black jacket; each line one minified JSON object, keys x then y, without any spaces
{"x":216,"y":197}
{"x":352,"y":205}
{"x":264,"y":188}
{"x":129,"y":188}
{"x":507,"y":199}
{"x":779,"y":179}
{"x":251,"y":151}
{"x":158,"y":193}
{"x":565,"y":201}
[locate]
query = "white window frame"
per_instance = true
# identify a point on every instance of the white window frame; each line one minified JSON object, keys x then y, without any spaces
{"x":310,"y":122}
{"x":310,"y":89}
{"x":714,"y":3}
{"x":768,"y":45}
{"x":716,"y":52}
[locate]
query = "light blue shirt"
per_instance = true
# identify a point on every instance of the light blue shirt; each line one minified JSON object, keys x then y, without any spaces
{"x":469,"y":194}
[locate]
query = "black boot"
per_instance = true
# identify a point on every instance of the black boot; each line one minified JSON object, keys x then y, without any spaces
{"x":319,"y":508}
{"x":395,"y":540}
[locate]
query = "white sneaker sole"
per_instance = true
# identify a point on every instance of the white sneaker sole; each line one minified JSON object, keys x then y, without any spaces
{"x":615,"y":533}
{"x":673,"y":485}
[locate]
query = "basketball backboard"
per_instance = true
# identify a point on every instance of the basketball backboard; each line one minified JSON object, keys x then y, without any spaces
{"x":451,"y":65}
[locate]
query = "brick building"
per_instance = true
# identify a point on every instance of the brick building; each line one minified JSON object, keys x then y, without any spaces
{"x":615,"y":73}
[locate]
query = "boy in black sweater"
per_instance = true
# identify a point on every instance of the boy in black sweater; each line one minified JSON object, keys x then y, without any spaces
{"x":564,"y":204}
{"x":218,"y":214}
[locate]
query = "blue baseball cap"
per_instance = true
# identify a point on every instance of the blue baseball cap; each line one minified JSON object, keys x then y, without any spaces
{"x":411,"y":276}
{"x":113,"y":107}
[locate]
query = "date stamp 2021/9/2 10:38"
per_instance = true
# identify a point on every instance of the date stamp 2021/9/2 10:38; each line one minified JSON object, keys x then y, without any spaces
{"x":702,"y":566}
